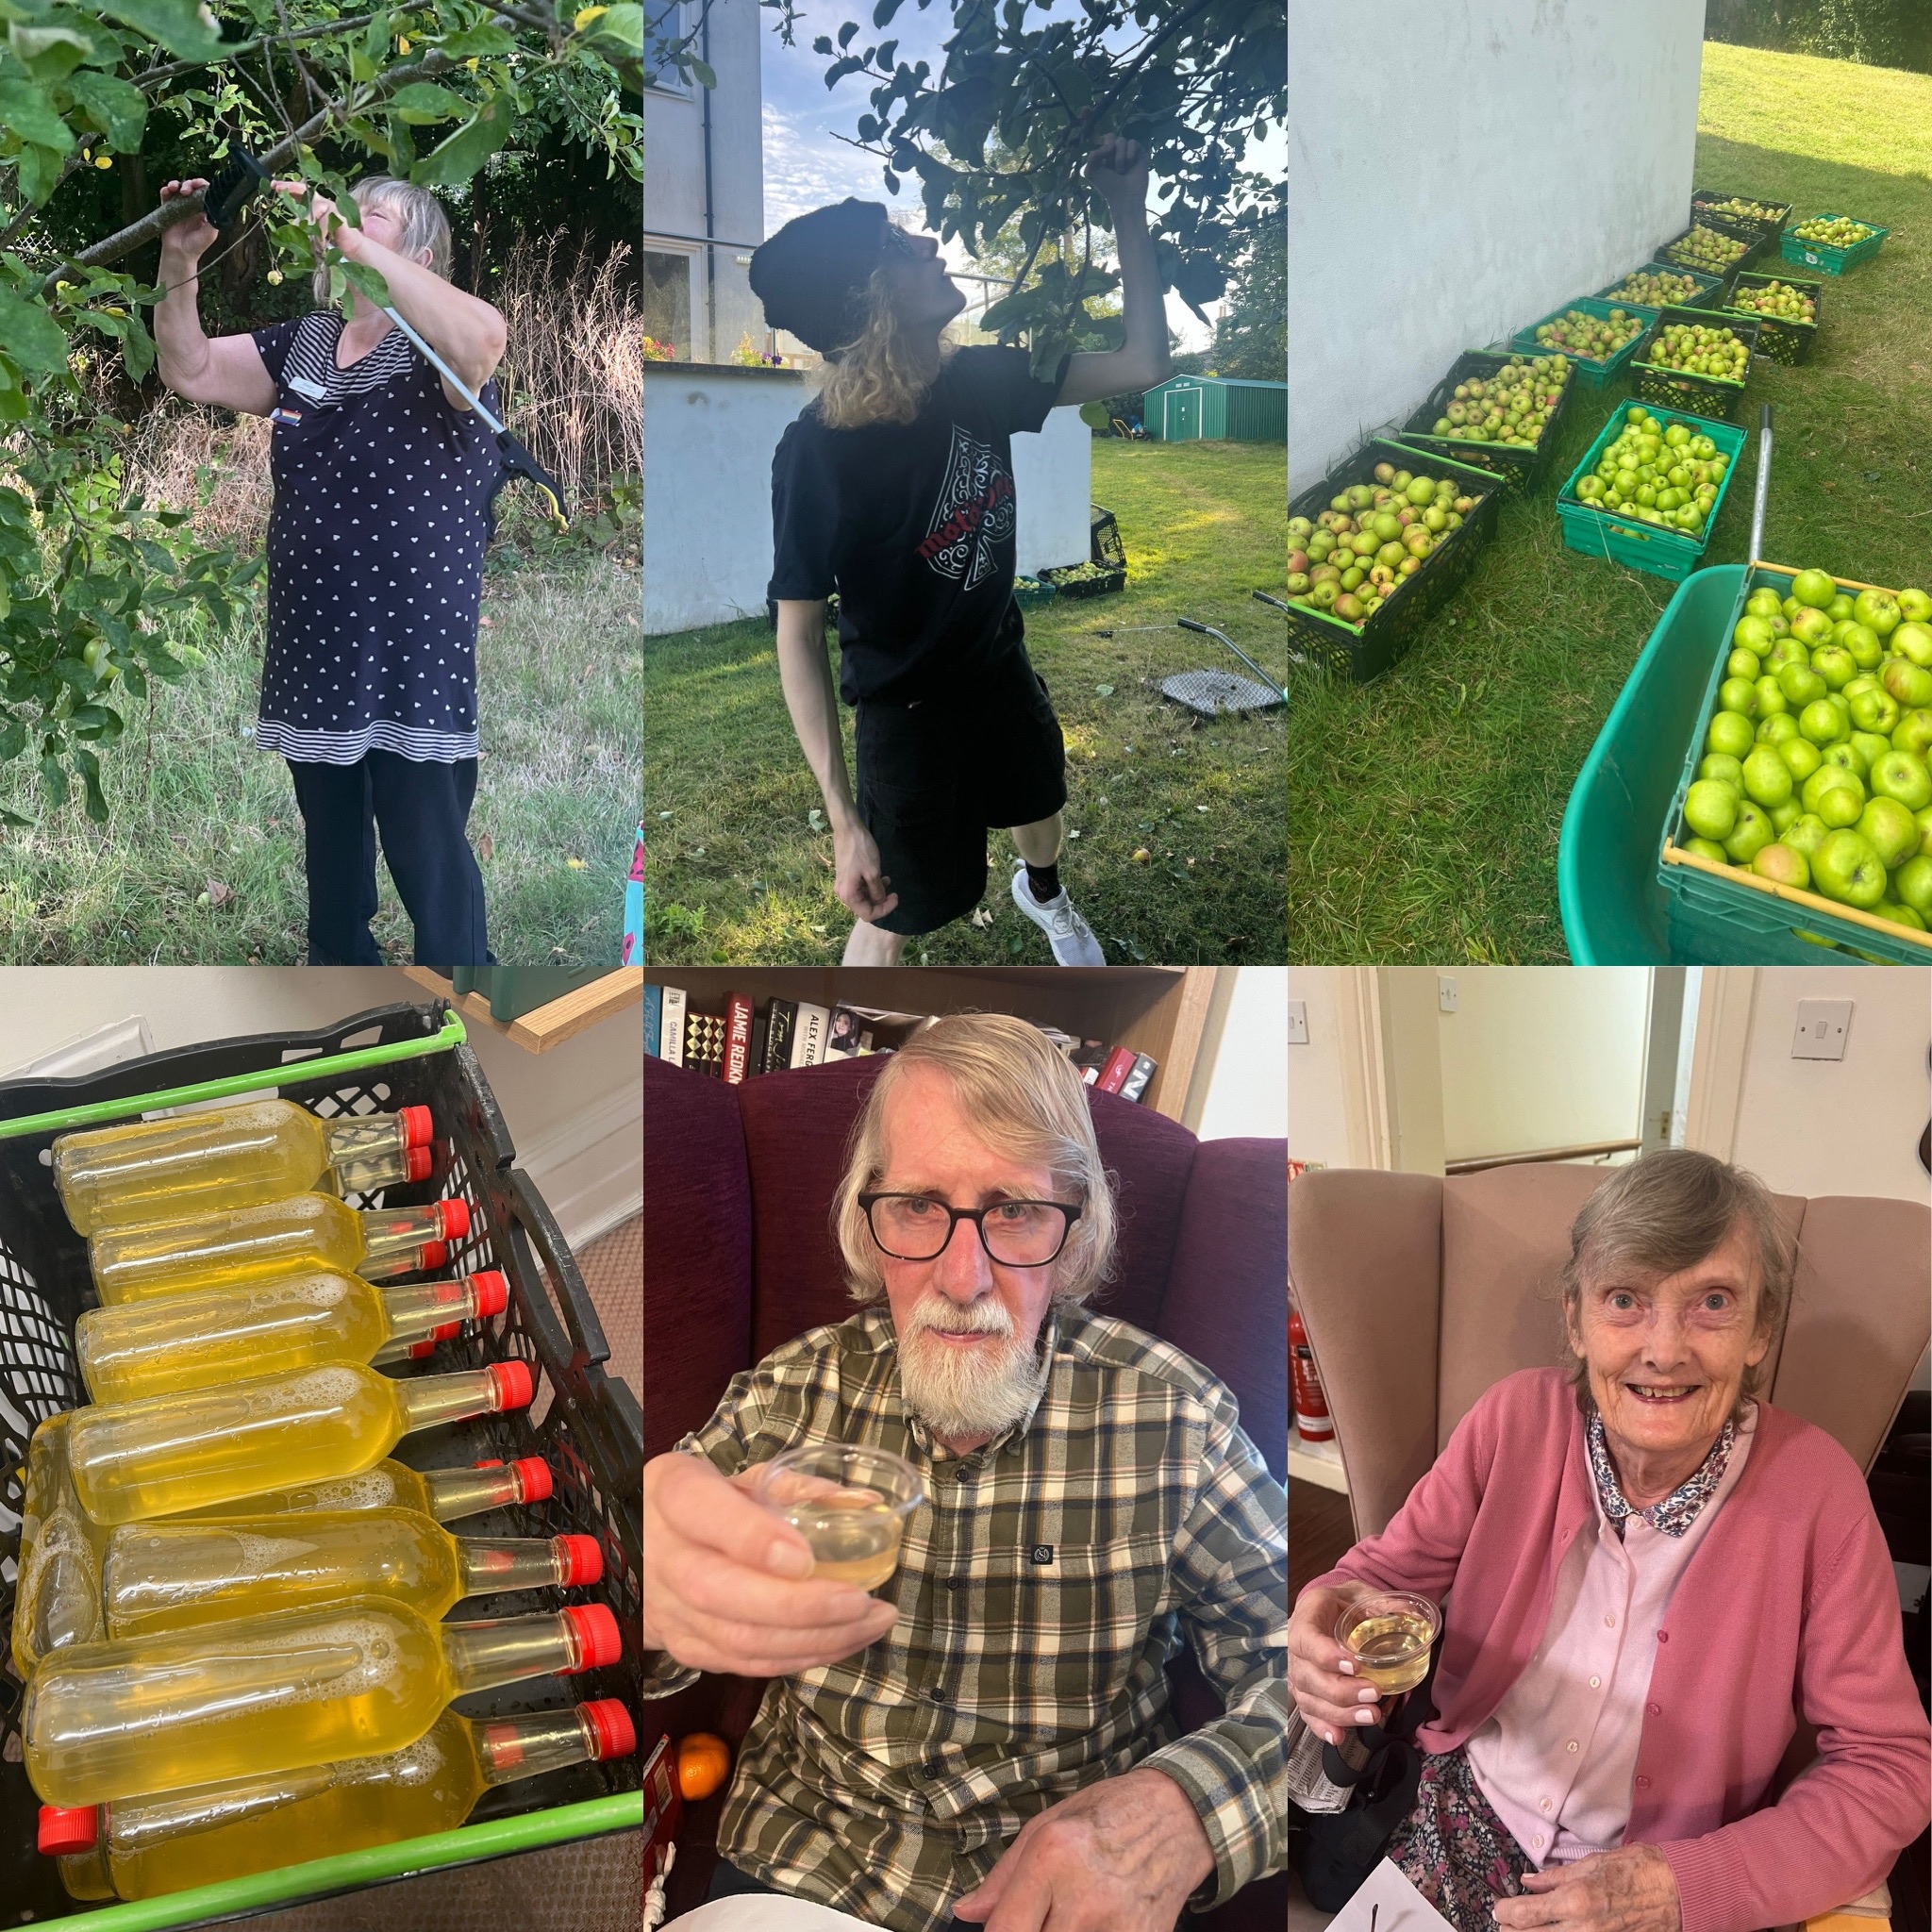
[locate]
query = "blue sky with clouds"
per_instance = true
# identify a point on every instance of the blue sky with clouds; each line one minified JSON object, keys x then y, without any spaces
{"x":806,"y":165}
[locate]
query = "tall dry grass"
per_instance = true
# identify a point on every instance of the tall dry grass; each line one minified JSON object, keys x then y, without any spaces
{"x":572,"y":383}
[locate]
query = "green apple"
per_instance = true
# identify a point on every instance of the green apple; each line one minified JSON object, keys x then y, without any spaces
{"x":1738,"y":695}
{"x":1711,"y":808}
{"x":1807,"y":834}
{"x":1844,"y":751}
{"x":1777,"y":728}
{"x":1829,"y":778}
{"x":1840,"y":607}
{"x":1914,"y":640}
{"x":1890,"y":830}
{"x":1708,"y":848}
{"x":1753,"y":634}
{"x":1835,"y":664}
{"x":1749,"y":834}
{"x":1729,"y":733}
{"x":1725,"y":770}
{"x":1801,"y":685}
{"x":1913,"y":732}
{"x":1786,"y":651}
{"x":1821,"y":723}
{"x":1871,"y":746}
{"x":1862,"y":641}
{"x":1743,"y":663}
{"x":1763,"y":602}
{"x":1899,"y":914}
{"x":1813,"y":588}
{"x":1781,"y":865}
{"x":1768,"y":778}
{"x":1912,"y":883}
{"x":1842,"y":805}
{"x":1879,"y":609}
{"x":1846,"y":869}
{"x":1771,"y":701}
{"x":1783,"y":817}
{"x":1876,"y":709}
{"x":1812,"y":628}
{"x":1915,"y":605}
{"x":1800,"y":755}
{"x":1925,"y":819}
{"x":1909,"y":683}
{"x":1894,"y":775}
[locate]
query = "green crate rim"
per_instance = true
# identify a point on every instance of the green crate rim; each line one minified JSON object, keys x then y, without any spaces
{"x":1714,"y":285}
{"x":1674,"y":864}
{"x":449,"y":1034}
{"x":1783,"y":321}
{"x":1649,"y":533}
{"x":1731,"y":382}
{"x":353,"y":1871}
{"x":1827,"y":214}
{"x":1519,"y":461}
{"x":1490,"y":481}
{"x":1524,"y":342}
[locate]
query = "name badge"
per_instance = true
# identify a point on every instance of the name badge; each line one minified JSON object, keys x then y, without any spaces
{"x":302,"y":386}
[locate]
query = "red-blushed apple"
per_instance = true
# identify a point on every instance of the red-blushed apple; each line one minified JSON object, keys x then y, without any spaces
{"x":1783,"y":866}
{"x":1909,"y":683}
{"x":1812,"y":628}
{"x":1846,"y":869}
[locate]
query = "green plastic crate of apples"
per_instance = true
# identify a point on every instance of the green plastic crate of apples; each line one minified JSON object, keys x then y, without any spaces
{"x":1657,"y":475}
{"x":1778,"y":300}
{"x":1591,"y":338}
{"x":1705,"y":248}
{"x":1840,"y":232}
{"x":1371,"y":537}
{"x":1511,"y":407}
{"x":1653,"y":290}
{"x":1815,"y":772}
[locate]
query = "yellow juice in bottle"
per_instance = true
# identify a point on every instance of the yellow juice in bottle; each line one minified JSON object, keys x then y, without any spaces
{"x":445,"y":1495}
{"x":57,"y":1598}
{"x":197,"y":1340}
{"x":230,"y":1157}
{"x":151,"y":1846}
{"x":165,"y":1454}
{"x":174,"y":1575}
{"x":133,"y":1717}
{"x":228,"y":1248}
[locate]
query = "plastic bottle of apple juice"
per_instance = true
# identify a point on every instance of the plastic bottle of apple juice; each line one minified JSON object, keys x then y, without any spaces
{"x":134,"y":1717}
{"x":231,"y":1247}
{"x":174,"y":1575}
{"x":197,"y":1341}
{"x":446,"y":1494}
{"x":231,"y":1157}
{"x":149,"y":1846}
{"x":165,"y":1454}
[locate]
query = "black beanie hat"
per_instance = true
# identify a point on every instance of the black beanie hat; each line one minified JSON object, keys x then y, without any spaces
{"x":812,"y":274}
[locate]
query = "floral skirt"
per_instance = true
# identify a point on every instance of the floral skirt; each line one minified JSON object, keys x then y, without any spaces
{"x":1454,"y":1849}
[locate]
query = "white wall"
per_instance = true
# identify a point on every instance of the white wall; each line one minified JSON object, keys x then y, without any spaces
{"x":1247,"y":1092}
{"x":1538,"y":1056}
{"x":1456,"y":177}
{"x":575,"y":1113}
{"x":1317,"y":1107}
{"x":709,"y":439}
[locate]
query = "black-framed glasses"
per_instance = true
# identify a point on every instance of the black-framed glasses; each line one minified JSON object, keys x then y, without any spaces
{"x":1016,"y":1234}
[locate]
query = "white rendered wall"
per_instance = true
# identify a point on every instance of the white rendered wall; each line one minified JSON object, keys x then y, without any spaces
{"x":1247,"y":1090}
{"x":1465,"y":174}
{"x":709,"y":439}
{"x":1317,"y":1094}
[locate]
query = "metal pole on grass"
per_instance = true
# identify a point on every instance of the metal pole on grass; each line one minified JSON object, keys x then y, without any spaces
{"x":1757,"y":503}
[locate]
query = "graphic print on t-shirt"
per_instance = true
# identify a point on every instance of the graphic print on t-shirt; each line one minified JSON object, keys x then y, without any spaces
{"x":974,"y":511}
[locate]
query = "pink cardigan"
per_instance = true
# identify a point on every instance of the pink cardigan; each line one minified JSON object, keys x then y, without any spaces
{"x":1790,"y":1602}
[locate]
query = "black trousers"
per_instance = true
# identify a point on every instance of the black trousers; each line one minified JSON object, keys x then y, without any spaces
{"x":422,"y":811}
{"x":727,"y":1881}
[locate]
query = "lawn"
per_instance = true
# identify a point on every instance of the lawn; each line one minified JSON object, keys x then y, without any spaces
{"x":1427,"y":805}
{"x":737,"y":872}
{"x":201,"y":861}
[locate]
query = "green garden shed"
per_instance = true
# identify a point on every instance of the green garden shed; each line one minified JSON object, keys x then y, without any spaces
{"x":1187,"y":408}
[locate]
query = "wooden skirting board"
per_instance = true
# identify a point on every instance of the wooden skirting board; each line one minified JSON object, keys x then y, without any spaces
{"x":543,"y":1027}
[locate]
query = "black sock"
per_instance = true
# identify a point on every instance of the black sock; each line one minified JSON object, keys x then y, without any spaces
{"x":1044,"y":881}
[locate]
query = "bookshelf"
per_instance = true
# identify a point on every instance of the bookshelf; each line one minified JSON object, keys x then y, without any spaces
{"x":1159,"y":1010}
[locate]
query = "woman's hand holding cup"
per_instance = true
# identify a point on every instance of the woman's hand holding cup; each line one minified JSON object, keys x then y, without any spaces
{"x":1328,"y":1689}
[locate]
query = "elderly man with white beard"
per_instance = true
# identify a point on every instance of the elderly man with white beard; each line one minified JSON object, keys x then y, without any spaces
{"x":987,"y":1740}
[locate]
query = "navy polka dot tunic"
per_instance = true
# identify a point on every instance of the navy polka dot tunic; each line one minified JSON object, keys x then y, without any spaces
{"x":375,"y":552}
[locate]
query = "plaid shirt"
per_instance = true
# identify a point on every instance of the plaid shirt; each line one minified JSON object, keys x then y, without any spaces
{"x":1040,"y":1593}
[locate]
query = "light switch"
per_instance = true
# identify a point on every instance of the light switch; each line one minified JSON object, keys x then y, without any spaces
{"x":1446,"y":992}
{"x":1297,"y":1023}
{"x":1822,"y":1028}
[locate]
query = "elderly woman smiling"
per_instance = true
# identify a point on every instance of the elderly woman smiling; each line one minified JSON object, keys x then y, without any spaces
{"x":1644,"y":1582}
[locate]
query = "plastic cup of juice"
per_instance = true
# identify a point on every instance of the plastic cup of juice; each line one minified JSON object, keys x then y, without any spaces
{"x":1391,"y":1637}
{"x":851,"y":1505}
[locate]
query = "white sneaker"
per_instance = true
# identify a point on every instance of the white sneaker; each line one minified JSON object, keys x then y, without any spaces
{"x":1071,"y":937}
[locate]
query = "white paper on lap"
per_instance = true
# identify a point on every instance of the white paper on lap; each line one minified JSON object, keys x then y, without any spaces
{"x":750,"y":1914}
{"x":1394,"y":1903}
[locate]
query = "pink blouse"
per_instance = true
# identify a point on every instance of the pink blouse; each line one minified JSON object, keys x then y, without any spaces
{"x":1557,"y":1760}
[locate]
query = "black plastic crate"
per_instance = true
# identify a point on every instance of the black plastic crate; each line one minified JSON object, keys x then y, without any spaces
{"x":1756,"y":246}
{"x":1784,"y":342}
{"x":586,"y":1426}
{"x":1704,"y":208}
{"x":1365,"y":651}
{"x":1677,"y":389}
{"x":1520,"y":468}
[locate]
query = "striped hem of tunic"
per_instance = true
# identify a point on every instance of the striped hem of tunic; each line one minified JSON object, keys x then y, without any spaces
{"x":349,"y":747}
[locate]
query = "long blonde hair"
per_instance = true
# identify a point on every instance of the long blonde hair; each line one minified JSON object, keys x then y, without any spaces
{"x":875,"y":378}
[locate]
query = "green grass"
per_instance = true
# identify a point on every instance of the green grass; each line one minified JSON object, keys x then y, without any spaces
{"x":1427,"y":805}
{"x":199,"y":816}
{"x":736,"y":873}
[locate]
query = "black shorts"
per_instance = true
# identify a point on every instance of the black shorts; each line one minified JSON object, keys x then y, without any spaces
{"x":936,"y":774}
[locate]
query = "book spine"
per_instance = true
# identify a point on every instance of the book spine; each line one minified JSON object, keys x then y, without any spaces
{"x":736,"y":1037}
{"x":1135,"y":1086}
{"x":760,"y":1021}
{"x":779,"y":1035}
{"x":1120,"y":1063}
{"x":808,"y":1035}
{"x":654,"y":1014}
{"x":671,"y":1042}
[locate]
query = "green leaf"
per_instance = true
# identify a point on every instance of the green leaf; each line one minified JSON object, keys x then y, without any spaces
{"x":137,"y":349}
{"x":91,"y":776}
{"x":13,"y":739}
{"x":422,"y":102}
{"x":457,"y":158}
{"x":703,"y":74}
{"x":39,"y":173}
{"x":54,"y":780}
{"x":30,"y":334}
{"x":621,"y":29}
{"x":368,"y":282}
{"x":25,"y":110}
{"x":49,"y":53}
{"x":477,"y":41}
{"x":882,"y":14}
{"x":115,"y":106}
{"x":185,"y":27}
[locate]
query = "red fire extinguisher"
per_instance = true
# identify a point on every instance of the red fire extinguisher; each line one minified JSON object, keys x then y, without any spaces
{"x":1310,"y":1404}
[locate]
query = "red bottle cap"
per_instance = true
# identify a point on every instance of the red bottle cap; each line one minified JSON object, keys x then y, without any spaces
{"x":583,"y":1559}
{"x":610,"y":1724}
{"x":419,"y":1129}
{"x":422,"y":1351}
{"x":534,"y":1480}
{"x":455,"y":1218}
{"x":492,"y":1289}
{"x":511,"y":1385}
{"x":598,"y":1641}
{"x":416,"y":1163}
{"x":489,"y":1462}
{"x":74,"y":1829}
{"x":432,"y":1255}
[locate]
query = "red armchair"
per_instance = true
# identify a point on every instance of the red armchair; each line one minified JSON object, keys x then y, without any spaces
{"x":738,"y":1257}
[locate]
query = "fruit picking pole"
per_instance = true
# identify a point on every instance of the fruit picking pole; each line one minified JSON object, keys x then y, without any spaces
{"x":1757,"y":502}
{"x":1208,"y":630}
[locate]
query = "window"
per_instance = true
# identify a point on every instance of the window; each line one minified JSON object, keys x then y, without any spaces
{"x":667,"y":301}
{"x":668,"y":20}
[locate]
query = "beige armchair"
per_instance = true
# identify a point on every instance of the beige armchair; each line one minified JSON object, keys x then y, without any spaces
{"x":1419,"y":1293}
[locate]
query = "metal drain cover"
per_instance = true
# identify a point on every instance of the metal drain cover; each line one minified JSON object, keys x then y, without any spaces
{"x":1207,"y":693}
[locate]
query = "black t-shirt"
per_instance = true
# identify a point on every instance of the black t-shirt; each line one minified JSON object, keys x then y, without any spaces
{"x":912,"y":525}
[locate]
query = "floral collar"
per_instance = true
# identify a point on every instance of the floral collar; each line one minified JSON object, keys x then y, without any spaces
{"x":1681,"y":1507}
